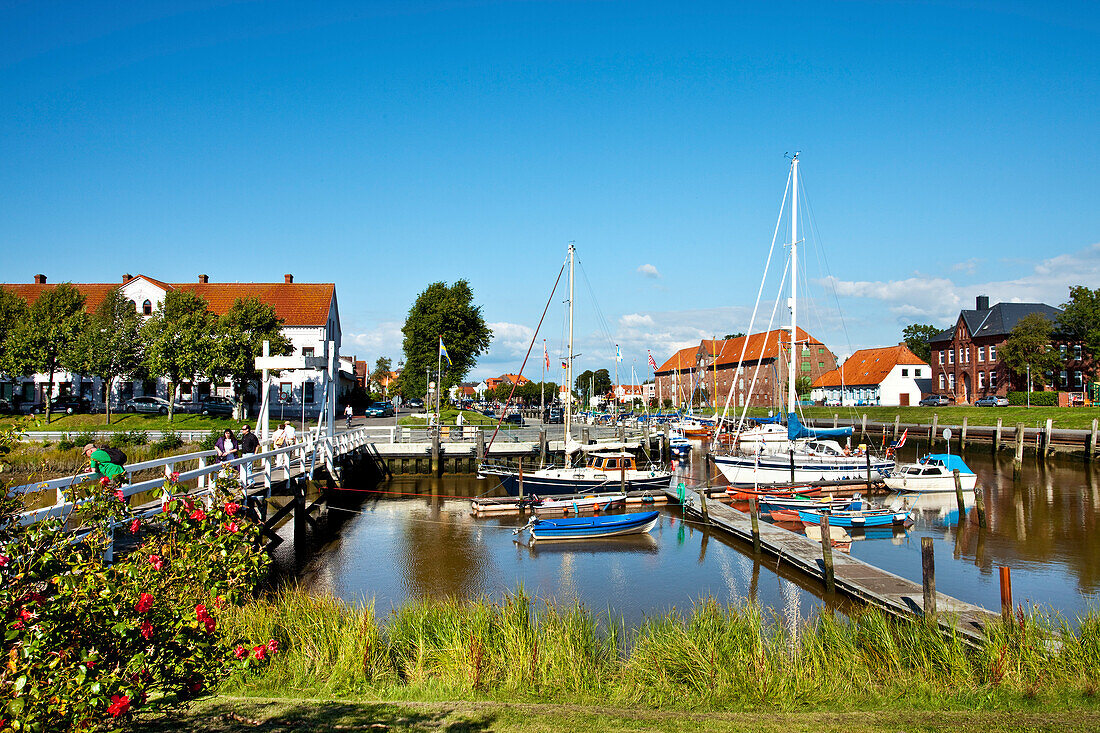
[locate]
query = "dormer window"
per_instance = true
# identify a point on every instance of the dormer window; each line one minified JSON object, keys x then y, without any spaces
{"x":147,"y":308}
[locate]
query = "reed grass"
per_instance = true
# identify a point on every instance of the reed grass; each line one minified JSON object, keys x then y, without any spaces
{"x":717,"y":657}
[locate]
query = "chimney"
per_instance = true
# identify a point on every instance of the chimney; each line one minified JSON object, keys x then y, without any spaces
{"x":39,"y":279}
{"x":127,"y":278}
{"x":204,"y":279}
{"x":982,"y":302}
{"x":288,"y":278}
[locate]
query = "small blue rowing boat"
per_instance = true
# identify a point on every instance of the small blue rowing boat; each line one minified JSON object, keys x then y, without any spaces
{"x":581,"y":528}
{"x":854,"y":519}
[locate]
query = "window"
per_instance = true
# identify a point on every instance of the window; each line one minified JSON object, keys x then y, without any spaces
{"x":309,"y":392}
{"x":992,"y":378}
{"x":905,"y":372}
{"x":1063,"y":378}
{"x":1077,"y":351}
{"x":149,"y":387}
{"x":951,"y":382}
{"x":960,"y":355}
{"x":941,"y":381}
{"x":821,"y":365}
{"x":821,"y":349}
{"x":1077,"y":379}
{"x":147,"y":308}
{"x":951,"y":356}
{"x":307,"y":351}
{"x":981,"y":353}
{"x":967,"y":355}
{"x":981,"y":380}
{"x":805,"y":366}
{"x":993,"y":353}
{"x":916,"y":372}
{"x":941,"y":357}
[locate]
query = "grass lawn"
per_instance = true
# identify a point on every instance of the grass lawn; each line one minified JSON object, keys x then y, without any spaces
{"x":469,"y":417}
{"x":124,"y":422}
{"x":226,"y":714}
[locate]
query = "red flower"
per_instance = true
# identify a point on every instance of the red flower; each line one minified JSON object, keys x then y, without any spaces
{"x":103,"y":481}
{"x":134,"y":526}
{"x":144,"y":603}
{"x":240,"y":652}
{"x":4,"y":560}
{"x":175,"y":476}
{"x":17,"y":625}
{"x":198,"y":515}
{"x":210,"y":624}
{"x":272,"y":646}
{"x":120,"y":705}
{"x":147,"y":629}
{"x":164,"y":507}
{"x":200,"y":612}
{"x":25,"y":614}
{"x":188,"y":504}
{"x":231,"y":508}
{"x":157,"y":562}
{"x":230,"y":527}
{"x":219,"y":602}
{"x":260,"y":651}
{"x":119,"y":496}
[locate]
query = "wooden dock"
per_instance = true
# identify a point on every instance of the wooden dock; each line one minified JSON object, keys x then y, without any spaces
{"x":853,"y":577}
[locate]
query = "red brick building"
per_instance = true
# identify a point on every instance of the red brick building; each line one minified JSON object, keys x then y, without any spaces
{"x":712,"y":368}
{"x":966,"y":360}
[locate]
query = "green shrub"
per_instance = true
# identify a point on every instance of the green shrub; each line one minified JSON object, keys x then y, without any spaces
{"x":211,"y":438}
{"x":1038,"y":399}
{"x":66,"y":444}
{"x":169,"y":441}
{"x":132,"y":437}
{"x":84,"y":438}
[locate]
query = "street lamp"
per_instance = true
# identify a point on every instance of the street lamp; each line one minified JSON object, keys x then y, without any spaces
{"x":1029,"y":386}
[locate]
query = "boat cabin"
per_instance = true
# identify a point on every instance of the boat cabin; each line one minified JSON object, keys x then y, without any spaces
{"x":611,"y":461}
{"x":946,"y":463}
{"x":823,"y":448}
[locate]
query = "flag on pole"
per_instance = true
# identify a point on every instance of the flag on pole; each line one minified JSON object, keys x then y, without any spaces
{"x":564,"y":365}
{"x":546,"y":355}
{"x":652,"y":364}
{"x":443,"y":352}
{"x":618,"y":354}
{"x":900,"y":441}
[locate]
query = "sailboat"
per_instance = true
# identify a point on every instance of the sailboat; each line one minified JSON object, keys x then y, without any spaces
{"x":604,"y":470}
{"x":809,"y":455}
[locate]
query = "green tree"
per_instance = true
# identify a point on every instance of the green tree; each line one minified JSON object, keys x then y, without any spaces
{"x":737,"y":335}
{"x":1029,"y":346}
{"x":602,"y":380}
{"x":13,"y":310}
{"x":111,"y":347}
{"x":179,"y":341}
{"x":450,"y":313}
{"x":916,"y":337}
{"x":803,"y":385}
{"x":1080,"y":320}
{"x":382,"y":368}
{"x":47,"y":339}
{"x":239,"y":335}
{"x":583,"y":385}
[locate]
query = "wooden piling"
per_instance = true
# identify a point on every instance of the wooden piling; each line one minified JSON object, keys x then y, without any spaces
{"x":436,"y":468}
{"x":979,"y":505}
{"x":928,"y":573}
{"x":754,"y":515}
{"x":935,"y":426}
{"x":997,"y":437}
{"x":897,"y":425}
{"x":1018,"y":461}
{"x":1092,"y":439}
{"x":706,"y":489}
{"x":836,"y":417}
{"x":521,"y":477}
{"x":827,"y":553}
{"x":666,"y":449}
{"x":959,"y":494}
{"x":1048,"y":433}
{"x":542,"y":444}
{"x":584,"y":436}
{"x":480,"y":444}
{"x":1006,"y":593}
{"x":962,"y":434}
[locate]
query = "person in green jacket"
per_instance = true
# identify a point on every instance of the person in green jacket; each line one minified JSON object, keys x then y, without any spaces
{"x":100,"y":461}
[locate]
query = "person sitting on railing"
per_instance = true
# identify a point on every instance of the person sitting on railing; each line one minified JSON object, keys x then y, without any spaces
{"x":226,"y":446}
{"x":103,"y":463}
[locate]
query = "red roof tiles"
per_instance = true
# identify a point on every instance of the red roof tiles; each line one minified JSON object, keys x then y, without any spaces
{"x":869,"y":367}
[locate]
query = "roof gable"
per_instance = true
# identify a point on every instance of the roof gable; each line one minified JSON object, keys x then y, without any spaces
{"x":869,"y":367}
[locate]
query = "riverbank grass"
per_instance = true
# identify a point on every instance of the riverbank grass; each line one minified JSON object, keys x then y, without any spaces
{"x":125,"y":422}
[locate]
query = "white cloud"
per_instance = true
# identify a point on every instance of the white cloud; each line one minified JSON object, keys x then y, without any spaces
{"x":384,"y":339}
{"x":648,"y":270}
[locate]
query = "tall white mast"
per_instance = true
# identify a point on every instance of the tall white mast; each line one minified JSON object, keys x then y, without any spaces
{"x":794,"y":360}
{"x":569,"y":364}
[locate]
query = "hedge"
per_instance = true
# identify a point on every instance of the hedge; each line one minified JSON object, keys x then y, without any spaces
{"x":1040,"y":399}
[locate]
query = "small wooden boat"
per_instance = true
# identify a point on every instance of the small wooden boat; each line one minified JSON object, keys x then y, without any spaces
{"x":584,"y":528}
{"x":738,"y":493}
{"x":854,"y":519}
{"x":772,"y":503}
{"x":591,"y":503}
{"x":785,"y":515}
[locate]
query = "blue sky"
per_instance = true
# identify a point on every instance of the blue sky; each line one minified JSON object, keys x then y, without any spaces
{"x":948,"y":149}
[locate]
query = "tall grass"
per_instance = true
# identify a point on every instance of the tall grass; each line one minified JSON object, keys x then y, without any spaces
{"x":723,"y":657}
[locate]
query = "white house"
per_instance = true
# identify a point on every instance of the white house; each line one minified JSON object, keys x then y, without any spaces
{"x":310,"y":318}
{"x":886,"y":376}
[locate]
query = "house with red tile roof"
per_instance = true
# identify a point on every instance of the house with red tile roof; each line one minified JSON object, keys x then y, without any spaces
{"x":892,"y":375}
{"x":754,"y":366}
{"x":309,"y":312}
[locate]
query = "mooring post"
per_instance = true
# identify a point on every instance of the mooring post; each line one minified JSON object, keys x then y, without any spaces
{"x":666,"y":449}
{"x":836,"y":418}
{"x":935,"y":425}
{"x":997,"y":437}
{"x":754,"y":515}
{"x":1018,"y":461}
{"x":299,"y":512}
{"x":1092,"y":439}
{"x":928,"y":572}
{"x":622,"y":433}
{"x":480,"y":444}
{"x":962,"y":435}
{"x":436,"y":469}
{"x":706,"y":488}
{"x":584,"y":437}
{"x":521,"y":477}
{"x":979,"y":505}
{"x":1048,"y":433}
{"x":959,"y":494}
{"x":897,"y":425}
{"x":1006,"y":593}
{"x":827,"y":553}
{"x":542,"y":445}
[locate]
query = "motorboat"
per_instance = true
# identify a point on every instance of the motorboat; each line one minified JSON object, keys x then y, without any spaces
{"x":603,"y":471}
{"x":934,"y":472}
{"x":583,"y":528}
{"x":854,"y":519}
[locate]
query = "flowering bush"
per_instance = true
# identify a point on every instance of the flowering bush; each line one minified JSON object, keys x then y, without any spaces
{"x":88,"y":644}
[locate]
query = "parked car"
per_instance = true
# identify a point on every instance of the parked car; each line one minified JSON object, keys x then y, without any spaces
{"x":154,"y":405}
{"x":415,"y":403}
{"x":553,"y":416}
{"x":991,"y":401}
{"x":514,"y":419}
{"x":6,"y":407}
{"x":68,"y":405}
{"x":935,"y":400}
{"x":380,"y":409}
{"x":212,"y":406}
